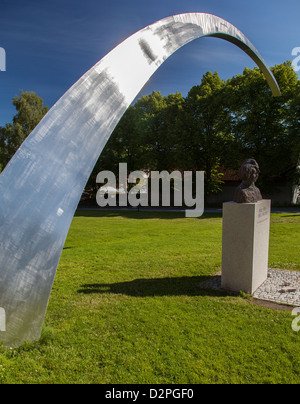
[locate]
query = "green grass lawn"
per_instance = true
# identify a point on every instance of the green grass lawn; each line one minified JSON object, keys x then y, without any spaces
{"x":126,"y":308}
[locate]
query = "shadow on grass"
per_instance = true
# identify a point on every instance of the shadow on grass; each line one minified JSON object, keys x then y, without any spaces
{"x":134,"y":214}
{"x":290,"y":215}
{"x":181,"y":286}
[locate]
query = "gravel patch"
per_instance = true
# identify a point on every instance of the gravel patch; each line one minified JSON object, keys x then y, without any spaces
{"x":281,"y":287}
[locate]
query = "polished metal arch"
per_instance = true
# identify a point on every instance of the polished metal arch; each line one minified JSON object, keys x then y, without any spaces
{"x":42,"y":184}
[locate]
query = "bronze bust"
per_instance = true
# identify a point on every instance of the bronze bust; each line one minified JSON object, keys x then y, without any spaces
{"x":247,"y":192}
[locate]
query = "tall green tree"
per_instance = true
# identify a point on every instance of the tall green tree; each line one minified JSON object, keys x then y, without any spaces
{"x":293,"y":123}
{"x":30,"y":110}
{"x":125,"y":145}
{"x":160,"y":125}
{"x":207,"y":130}
{"x":216,"y":127}
{"x":262,"y":123}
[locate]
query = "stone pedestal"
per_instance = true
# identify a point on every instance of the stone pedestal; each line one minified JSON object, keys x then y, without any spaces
{"x":245,"y":248}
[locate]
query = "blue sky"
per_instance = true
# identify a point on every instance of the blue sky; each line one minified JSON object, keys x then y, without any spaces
{"x":50,"y":44}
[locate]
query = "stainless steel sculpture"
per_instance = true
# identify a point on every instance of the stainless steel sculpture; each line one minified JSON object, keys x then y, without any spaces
{"x":42,"y":184}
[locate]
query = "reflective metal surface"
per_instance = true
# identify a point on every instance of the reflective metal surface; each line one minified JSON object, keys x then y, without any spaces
{"x":41,"y":186}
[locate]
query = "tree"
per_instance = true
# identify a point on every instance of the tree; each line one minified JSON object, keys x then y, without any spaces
{"x":159,"y":126}
{"x":207,"y":130}
{"x":216,"y":127}
{"x":30,"y":110}
{"x":124,"y":145}
{"x":263,"y":124}
{"x":293,"y":125}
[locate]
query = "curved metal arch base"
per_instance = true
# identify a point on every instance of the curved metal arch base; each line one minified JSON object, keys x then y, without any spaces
{"x":41,"y":186}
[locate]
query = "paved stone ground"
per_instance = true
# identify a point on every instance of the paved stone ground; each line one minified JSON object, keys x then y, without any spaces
{"x":281,"y":287}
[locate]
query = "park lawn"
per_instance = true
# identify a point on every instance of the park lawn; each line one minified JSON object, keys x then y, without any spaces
{"x":126,"y":307}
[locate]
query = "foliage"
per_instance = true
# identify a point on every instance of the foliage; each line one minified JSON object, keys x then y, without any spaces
{"x":216,"y":127}
{"x":207,"y":132}
{"x":264,"y":126}
{"x":30,"y":110}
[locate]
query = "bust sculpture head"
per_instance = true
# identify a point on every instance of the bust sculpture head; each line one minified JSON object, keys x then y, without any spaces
{"x":247,"y":192}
